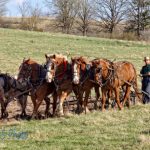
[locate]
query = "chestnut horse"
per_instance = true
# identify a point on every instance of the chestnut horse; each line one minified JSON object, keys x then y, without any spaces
{"x":34,"y":74}
{"x":83,"y":77}
{"x":112,"y":76}
{"x":59,"y":72}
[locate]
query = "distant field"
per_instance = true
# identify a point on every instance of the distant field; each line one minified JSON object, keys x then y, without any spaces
{"x":111,"y":130}
{"x":17,"y":44}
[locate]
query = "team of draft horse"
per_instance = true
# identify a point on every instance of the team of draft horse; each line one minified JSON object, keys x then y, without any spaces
{"x":59,"y":77}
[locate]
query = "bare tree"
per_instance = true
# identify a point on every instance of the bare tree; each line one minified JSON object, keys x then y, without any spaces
{"x":35,"y":14}
{"x":138,"y":16}
{"x":23,"y":9}
{"x":2,"y":7}
{"x":85,"y":14}
{"x":30,"y":15}
{"x":110,"y":12}
{"x":65,"y":12}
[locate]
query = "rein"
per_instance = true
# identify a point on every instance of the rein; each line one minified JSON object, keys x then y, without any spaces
{"x":109,"y":78}
{"x":84,"y":75}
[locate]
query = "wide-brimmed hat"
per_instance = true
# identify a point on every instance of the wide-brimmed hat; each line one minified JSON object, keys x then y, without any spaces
{"x":146,"y":58}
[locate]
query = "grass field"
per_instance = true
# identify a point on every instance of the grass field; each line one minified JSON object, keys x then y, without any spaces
{"x":114,"y":130}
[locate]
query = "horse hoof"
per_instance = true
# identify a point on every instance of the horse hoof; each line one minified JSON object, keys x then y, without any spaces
{"x":34,"y":117}
{"x":47,"y":115}
{"x":121,"y":108}
{"x":68,"y":114}
{"x":79,"y":110}
{"x":103,"y":110}
{"x":60,"y":114}
{"x":86,"y":111}
{"x":5,"y":115}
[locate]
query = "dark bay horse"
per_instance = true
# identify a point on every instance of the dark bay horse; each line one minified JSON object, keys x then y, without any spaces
{"x":7,"y":84}
{"x":59,"y":72}
{"x":83,"y":77}
{"x":112,"y":76}
{"x":34,"y":74}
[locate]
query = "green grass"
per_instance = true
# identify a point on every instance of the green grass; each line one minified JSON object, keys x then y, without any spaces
{"x":111,"y":130}
{"x":114,"y":130}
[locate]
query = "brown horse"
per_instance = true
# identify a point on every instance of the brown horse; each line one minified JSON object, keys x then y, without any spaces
{"x":59,"y":71}
{"x":34,"y":74}
{"x":83,"y":77}
{"x":112,"y":76}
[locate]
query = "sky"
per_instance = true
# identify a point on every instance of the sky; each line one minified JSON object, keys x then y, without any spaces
{"x":12,"y":6}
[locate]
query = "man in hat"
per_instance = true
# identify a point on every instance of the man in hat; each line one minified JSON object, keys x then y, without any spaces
{"x":145,"y":73}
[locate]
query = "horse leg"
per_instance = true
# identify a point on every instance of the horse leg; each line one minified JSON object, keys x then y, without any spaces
{"x":78,"y":91}
{"x":109,"y":95}
{"x":2,"y":107}
{"x":127,"y":94}
{"x":117,"y":92}
{"x":47,"y":101}
{"x":97,"y":97}
{"x":103,"y":99}
{"x":62,"y":97}
{"x":38,"y":103}
{"x":54,"y":103}
{"x":4,"y":113}
{"x":87,"y":93}
{"x":80,"y":101}
{"x":23,"y":103}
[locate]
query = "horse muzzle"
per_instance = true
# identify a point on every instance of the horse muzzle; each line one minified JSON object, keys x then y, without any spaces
{"x":49,"y":78}
{"x":76,"y":81}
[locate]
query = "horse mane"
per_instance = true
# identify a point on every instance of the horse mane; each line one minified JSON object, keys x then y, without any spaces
{"x":29,"y":61}
{"x":57,"y":56}
{"x":82,"y":59}
{"x":62,"y":56}
{"x":103,"y":59}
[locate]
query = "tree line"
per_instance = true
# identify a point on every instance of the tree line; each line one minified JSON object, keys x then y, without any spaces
{"x":108,"y":14}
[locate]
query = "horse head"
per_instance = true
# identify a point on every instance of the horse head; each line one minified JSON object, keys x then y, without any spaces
{"x":27,"y":70}
{"x":79,"y":64}
{"x":101,"y":68}
{"x":56,"y":65}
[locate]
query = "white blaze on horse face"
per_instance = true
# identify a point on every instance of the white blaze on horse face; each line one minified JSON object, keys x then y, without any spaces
{"x":75,"y":74}
{"x":16,"y":77}
{"x":49,"y":75}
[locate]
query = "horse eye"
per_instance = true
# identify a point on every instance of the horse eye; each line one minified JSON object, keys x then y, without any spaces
{"x":98,"y":69}
{"x":52,"y":67}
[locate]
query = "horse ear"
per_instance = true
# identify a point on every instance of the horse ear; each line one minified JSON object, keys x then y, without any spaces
{"x":96,"y":62}
{"x":68,"y":53}
{"x":54,"y":56}
{"x":24,"y":59}
{"x":85,"y":60}
{"x":71,"y":58}
{"x":46,"y":56}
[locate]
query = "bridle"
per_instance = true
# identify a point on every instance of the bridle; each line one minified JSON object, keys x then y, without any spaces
{"x":51,"y":65}
{"x":81,"y":75}
{"x":100,"y":78}
{"x":25,"y":71}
